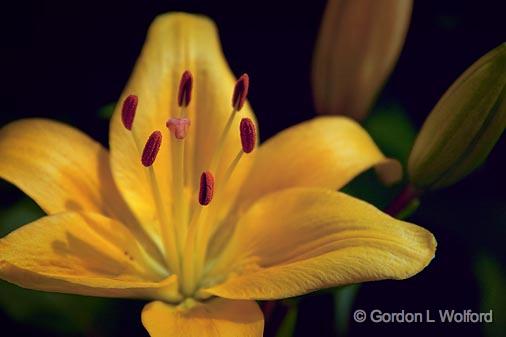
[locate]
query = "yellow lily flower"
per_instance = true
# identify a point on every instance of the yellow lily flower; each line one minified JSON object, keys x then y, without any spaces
{"x":195,"y":219}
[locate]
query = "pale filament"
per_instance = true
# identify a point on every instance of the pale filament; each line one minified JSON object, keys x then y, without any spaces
{"x":185,"y":237}
{"x":167,"y":238}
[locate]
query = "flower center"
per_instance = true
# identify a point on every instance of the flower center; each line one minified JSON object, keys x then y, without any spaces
{"x":185,"y":237}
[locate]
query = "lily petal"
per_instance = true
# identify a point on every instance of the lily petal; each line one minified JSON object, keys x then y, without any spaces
{"x":322,"y":152}
{"x":82,"y":253}
{"x":59,"y":167}
{"x":299,"y":240}
{"x":176,"y":42}
{"x":215,"y":318}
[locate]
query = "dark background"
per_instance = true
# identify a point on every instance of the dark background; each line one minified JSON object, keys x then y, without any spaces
{"x":66,"y":60}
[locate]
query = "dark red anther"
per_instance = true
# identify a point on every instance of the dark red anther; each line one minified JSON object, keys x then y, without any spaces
{"x":248,"y":135}
{"x":206,"y":188}
{"x":240,"y":92}
{"x":151,"y":148}
{"x":184,"y":94}
{"x":128,"y":111}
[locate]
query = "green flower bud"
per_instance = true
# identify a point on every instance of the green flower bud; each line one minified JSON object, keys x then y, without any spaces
{"x":464,"y":125}
{"x":357,"y":47}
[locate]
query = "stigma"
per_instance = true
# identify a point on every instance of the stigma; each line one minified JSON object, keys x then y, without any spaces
{"x":179,"y":126}
{"x":187,"y":215}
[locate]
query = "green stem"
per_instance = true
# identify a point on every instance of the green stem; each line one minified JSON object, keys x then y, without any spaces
{"x":403,"y":201}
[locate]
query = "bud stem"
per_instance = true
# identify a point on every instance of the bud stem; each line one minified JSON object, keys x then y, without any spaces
{"x":403,"y":200}
{"x":274,"y":312}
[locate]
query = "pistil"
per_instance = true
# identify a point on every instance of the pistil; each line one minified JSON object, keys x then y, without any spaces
{"x":179,"y":127}
{"x":185,"y":237}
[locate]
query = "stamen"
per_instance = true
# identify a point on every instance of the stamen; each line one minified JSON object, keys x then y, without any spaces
{"x":248,"y":135}
{"x":238,"y":100}
{"x":151,"y":148}
{"x":240,"y":92}
{"x":247,"y":131}
{"x":196,"y":244}
{"x":193,"y":255}
{"x":206,"y":188}
{"x":179,"y":127}
{"x":169,"y":241}
{"x":128,"y":111}
{"x":166,"y":246}
{"x":184,"y":94}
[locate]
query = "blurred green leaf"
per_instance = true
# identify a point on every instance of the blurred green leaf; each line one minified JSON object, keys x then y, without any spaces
{"x":392,"y":130}
{"x":287,"y":327}
{"x":58,"y":312}
{"x":368,"y":187}
{"x":22,"y":212}
{"x":344,"y":297}
{"x":394,"y":133}
{"x":409,"y":210}
{"x":106,"y":111}
{"x":492,"y":279}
